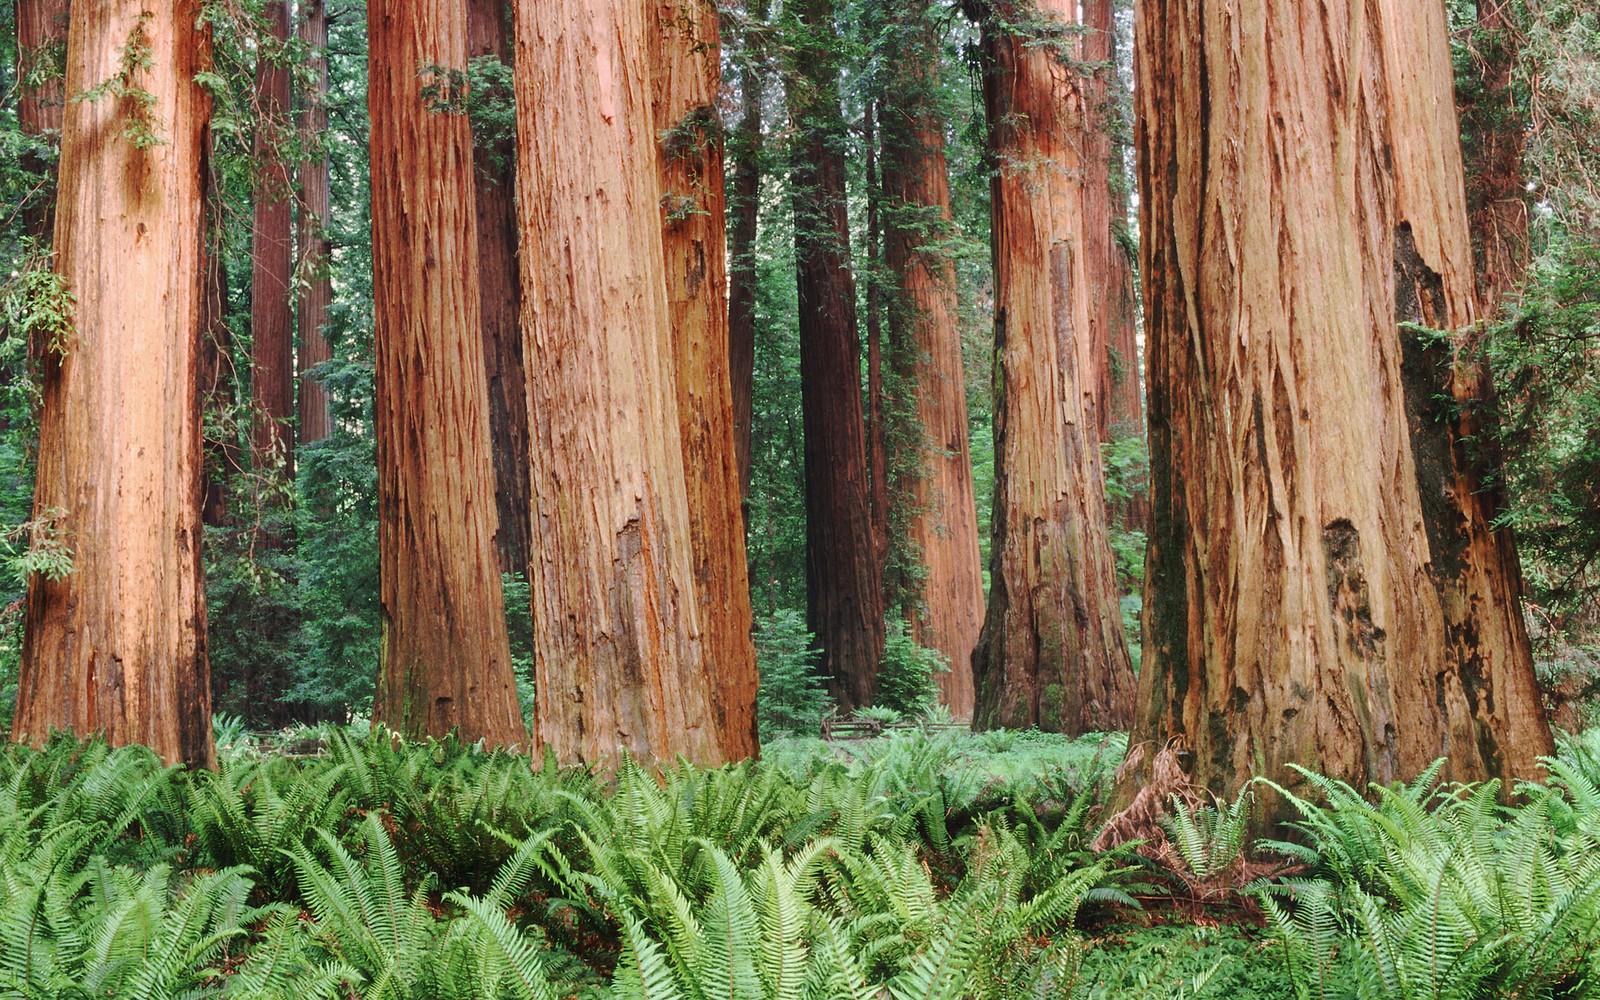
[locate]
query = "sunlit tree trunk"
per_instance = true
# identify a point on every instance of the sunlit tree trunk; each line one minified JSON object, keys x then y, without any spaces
{"x":117,"y":646}
{"x":271,"y":318}
{"x":618,"y":658}
{"x":844,"y":577}
{"x":1052,"y":653}
{"x":744,"y":214}
{"x":41,"y":100}
{"x":926,"y":346}
{"x":314,"y":203}
{"x":1293,"y":613}
{"x":489,"y":36}
{"x":446,"y":658}
{"x":686,"y":74}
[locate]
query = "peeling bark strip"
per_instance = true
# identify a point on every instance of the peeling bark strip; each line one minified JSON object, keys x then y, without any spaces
{"x":1301,"y":189}
{"x":618,"y":634}
{"x":271,"y":325}
{"x":686,"y":73}
{"x":844,"y":577}
{"x":925,"y":345}
{"x":500,"y":288}
{"x":446,"y":658}
{"x":118,"y":645}
{"x":1052,"y":652}
{"x":311,"y":268}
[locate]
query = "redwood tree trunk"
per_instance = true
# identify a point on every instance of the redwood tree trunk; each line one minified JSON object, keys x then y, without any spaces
{"x":844,"y":577}
{"x":489,"y":36}
{"x":686,"y":72}
{"x":617,"y":630}
{"x":316,"y":289}
{"x":223,"y":459}
{"x":744,"y":211}
{"x":1495,"y":132}
{"x":1052,"y":653}
{"x":117,"y":646}
{"x":271,"y":329}
{"x":446,"y":658}
{"x":1292,"y":612}
{"x":41,"y":45}
{"x":925,"y":340}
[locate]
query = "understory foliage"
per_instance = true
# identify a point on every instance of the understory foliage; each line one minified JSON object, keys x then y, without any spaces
{"x":347,"y":865}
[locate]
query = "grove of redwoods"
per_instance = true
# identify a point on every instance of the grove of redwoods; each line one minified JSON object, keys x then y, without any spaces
{"x":519,"y":370}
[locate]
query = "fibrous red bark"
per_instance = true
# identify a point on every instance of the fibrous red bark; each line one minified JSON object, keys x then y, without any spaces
{"x":315,"y":282}
{"x":271,"y":318}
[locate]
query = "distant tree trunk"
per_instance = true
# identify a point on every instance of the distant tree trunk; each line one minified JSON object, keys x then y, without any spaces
{"x":618,"y":655}
{"x":117,"y":646}
{"x":223,"y":460}
{"x":1052,"y":652}
{"x":271,"y":327}
{"x":744,"y":210}
{"x":316,"y":290}
{"x":925,"y":340}
{"x":446,"y":658}
{"x":1496,"y":131}
{"x":877,"y":436}
{"x":844,"y":578}
{"x":686,"y":71}
{"x":489,"y":36}
{"x":1292,"y":615}
{"x":41,"y":48}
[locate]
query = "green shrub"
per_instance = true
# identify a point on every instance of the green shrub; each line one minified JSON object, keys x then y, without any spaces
{"x":792,"y":696}
{"x":907,"y":679}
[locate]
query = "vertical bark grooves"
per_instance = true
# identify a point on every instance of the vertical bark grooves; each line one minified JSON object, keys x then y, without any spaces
{"x":489,"y":35}
{"x":311,"y":267}
{"x":1052,"y":652}
{"x":744,"y":211}
{"x":844,"y":578}
{"x":118,"y":645}
{"x":271,"y":324}
{"x":618,"y":633}
{"x":686,"y":76}
{"x":41,"y":40}
{"x":1294,"y":611}
{"x":446,"y":658}
{"x":925,"y":340}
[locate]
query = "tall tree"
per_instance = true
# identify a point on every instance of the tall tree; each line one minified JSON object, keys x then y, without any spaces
{"x":446,"y":657}
{"x":844,"y":576}
{"x":1292,"y":613}
{"x":271,"y":318}
{"x":494,"y":153}
{"x":41,"y":101}
{"x":1495,"y":130}
{"x":925,"y":343}
{"x":744,"y":216}
{"x":117,"y":646}
{"x":686,"y":73}
{"x":618,"y":658}
{"x":1052,"y":652}
{"x":315,"y":283}
{"x":1112,"y":346}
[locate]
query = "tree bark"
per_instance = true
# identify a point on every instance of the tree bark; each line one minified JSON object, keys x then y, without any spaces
{"x":618,"y":653}
{"x":744,"y":210}
{"x":223,"y":460}
{"x":877,"y":434}
{"x":315,"y":282}
{"x":925,"y":342}
{"x":1052,"y":653}
{"x":1292,"y":613}
{"x":446,"y":657}
{"x":1495,"y":132}
{"x":686,"y":72}
{"x":41,"y":46}
{"x":117,"y":646}
{"x":271,"y":325}
{"x":844,"y":578}
{"x":489,"y":36}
